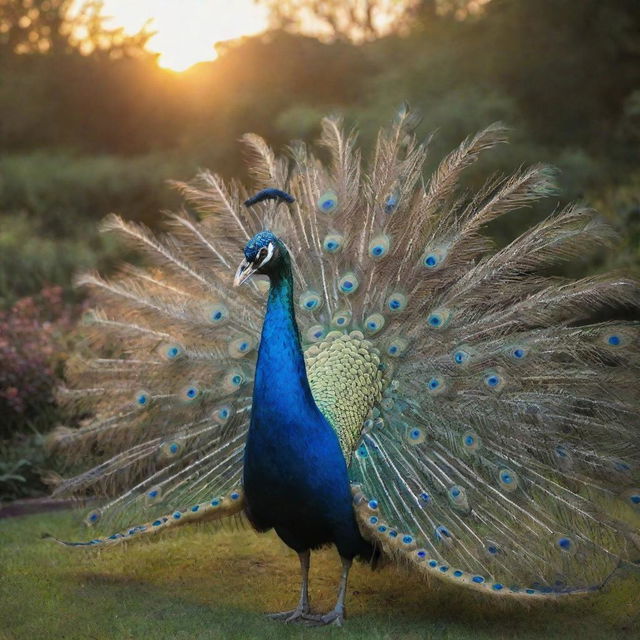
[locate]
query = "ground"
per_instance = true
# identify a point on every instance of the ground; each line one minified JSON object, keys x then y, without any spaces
{"x":198,"y":583}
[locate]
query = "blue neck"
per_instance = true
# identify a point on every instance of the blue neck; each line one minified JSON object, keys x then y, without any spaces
{"x":281,"y":375}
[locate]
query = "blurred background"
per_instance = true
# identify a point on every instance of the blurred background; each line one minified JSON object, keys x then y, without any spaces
{"x":102,"y":102}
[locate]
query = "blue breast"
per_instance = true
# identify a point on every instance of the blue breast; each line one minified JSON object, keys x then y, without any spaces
{"x":295,"y":477}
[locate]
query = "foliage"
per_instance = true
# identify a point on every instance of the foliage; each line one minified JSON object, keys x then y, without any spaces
{"x":10,"y":476}
{"x":33,"y":335}
{"x":56,"y":201}
{"x":355,"y":20}
{"x":67,"y":194}
{"x":34,"y":343}
{"x":31,"y":258}
{"x":24,"y":463}
{"x":621,"y":204}
{"x":54,"y":26}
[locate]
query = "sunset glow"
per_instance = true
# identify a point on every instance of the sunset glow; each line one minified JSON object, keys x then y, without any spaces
{"x":187,"y":29}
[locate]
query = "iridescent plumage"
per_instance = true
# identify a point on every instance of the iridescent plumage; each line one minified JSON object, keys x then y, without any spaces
{"x":489,"y":422}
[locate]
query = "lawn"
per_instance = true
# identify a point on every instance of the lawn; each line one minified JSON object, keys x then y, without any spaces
{"x":199,"y":583}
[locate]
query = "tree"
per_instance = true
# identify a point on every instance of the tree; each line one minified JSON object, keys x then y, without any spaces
{"x":60,"y":26}
{"x":356,"y":20}
{"x":363,"y":20}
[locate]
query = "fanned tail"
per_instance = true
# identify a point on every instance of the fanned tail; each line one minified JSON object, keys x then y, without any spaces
{"x":505,"y":441}
{"x":214,"y":509}
{"x":483,"y":408}
{"x":405,"y":547}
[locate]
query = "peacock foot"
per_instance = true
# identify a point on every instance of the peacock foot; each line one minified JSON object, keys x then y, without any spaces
{"x":295,"y":615}
{"x":335,"y":617}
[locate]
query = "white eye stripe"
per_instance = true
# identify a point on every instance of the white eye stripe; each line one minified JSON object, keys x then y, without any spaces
{"x":270,"y":250}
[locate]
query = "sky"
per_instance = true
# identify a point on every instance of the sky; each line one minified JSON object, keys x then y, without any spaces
{"x":187,"y":29}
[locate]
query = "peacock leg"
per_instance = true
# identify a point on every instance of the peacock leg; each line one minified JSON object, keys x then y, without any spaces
{"x":338,"y":614}
{"x":302,"y":610}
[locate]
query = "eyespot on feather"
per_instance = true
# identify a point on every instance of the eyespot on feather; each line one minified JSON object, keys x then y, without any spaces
{"x":222,"y":415}
{"x":491,"y":549}
{"x":310,"y":300}
{"x":379,"y":246}
{"x":241,"y":346}
{"x":436,"y":385}
{"x":397,"y":302}
{"x":458,"y":497}
{"x":217,"y":313}
{"x":341,"y":319}
{"x":442,"y":534}
{"x":391,"y":203}
{"x":348,"y":283}
{"x":374,"y":323}
{"x":508,"y":479}
{"x":316,"y":333}
{"x":190,"y":393}
{"x":462,"y":355}
{"x":439,"y":318}
{"x":396,"y":347}
{"x":433,"y":258}
{"x":328,"y":201}
{"x":153,"y":495}
{"x":171,"y":351}
{"x":171,"y":449}
{"x":471,"y":441}
{"x":233,"y":380}
{"x":93,"y":517}
{"x":563,"y":456}
{"x":616,"y":339}
{"x":415,"y":435}
{"x":142,"y":399}
{"x":494,"y":380}
{"x":517,"y":352}
{"x":565,"y":544}
{"x":362,"y":452}
{"x":631,"y":497}
{"x":333,"y":243}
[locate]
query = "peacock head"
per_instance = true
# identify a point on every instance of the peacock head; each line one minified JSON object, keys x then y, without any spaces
{"x":262,"y":254}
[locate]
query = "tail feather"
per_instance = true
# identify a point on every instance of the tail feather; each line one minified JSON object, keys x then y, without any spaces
{"x":504,"y":433}
{"x":214,"y":509}
{"x":405,"y":547}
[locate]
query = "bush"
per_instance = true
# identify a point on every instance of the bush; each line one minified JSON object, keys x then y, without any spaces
{"x":31,"y":259}
{"x":621,"y":205}
{"x":33,"y":343}
{"x":24,"y":462}
{"x":66,"y":194}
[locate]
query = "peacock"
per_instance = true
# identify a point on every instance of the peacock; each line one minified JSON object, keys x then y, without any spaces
{"x":412,"y":393}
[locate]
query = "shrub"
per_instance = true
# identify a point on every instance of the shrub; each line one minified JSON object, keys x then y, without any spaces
{"x":31,"y":259}
{"x":33,"y":342}
{"x":63,"y":193}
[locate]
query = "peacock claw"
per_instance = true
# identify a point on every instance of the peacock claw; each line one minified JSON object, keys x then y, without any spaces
{"x":335,"y":618}
{"x":295,"y":615}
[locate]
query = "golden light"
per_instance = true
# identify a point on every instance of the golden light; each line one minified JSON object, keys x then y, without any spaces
{"x":186,"y":30}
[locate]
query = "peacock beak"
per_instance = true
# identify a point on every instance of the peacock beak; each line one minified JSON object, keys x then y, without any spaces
{"x":244,"y":272}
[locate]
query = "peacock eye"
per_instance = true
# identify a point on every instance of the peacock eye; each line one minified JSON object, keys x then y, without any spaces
{"x":262,"y":254}
{"x":328,"y":201}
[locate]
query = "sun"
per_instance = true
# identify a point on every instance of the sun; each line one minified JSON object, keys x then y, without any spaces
{"x":186,"y":30}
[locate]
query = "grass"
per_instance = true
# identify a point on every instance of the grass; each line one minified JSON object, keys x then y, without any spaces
{"x":196,"y":583}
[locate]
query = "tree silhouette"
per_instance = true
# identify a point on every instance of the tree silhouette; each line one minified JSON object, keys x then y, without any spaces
{"x":58,"y":26}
